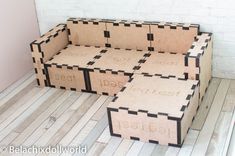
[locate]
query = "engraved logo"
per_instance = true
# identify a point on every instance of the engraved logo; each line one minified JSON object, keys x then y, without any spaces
{"x":154,"y":91}
{"x":110,"y":83}
{"x":143,"y":127}
{"x":61,"y":77}
{"x":117,"y":59}
{"x":168,"y":63}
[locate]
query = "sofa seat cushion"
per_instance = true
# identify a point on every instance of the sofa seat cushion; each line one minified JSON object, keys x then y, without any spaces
{"x":76,"y":55}
{"x":163,"y":64}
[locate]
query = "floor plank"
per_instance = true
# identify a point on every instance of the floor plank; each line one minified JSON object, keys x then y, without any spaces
{"x":76,"y":114}
{"x":21,"y":114}
{"x":135,"y":148}
{"x":105,"y":136}
{"x":95,"y":133}
{"x":231,"y":149}
{"x":16,"y":84}
{"x":159,"y":150}
{"x":229,"y":146}
{"x":70,"y":113}
{"x":81,"y":123}
{"x":147,"y":149}
{"x":219,"y":135}
{"x":54,"y":107}
{"x":16,"y":90}
{"x":229,"y":103}
{"x":206,"y":104}
{"x":123,"y":147}
{"x":96,"y":149}
{"x":203,"y":140}
{"x":172,"y":151}
{"x":83,"y":133}
{"x":99,"y":114}
{"x":189,"y":143}
{"x":30,"y":96}
{"x":69,"y":102}
{"x":17,"y":97}
{"x":37,"y":112}
{"x":111,"y":147}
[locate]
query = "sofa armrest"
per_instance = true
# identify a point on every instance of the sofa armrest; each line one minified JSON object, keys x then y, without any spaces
{"x":45,"y":48}
{"x":200,"y":56}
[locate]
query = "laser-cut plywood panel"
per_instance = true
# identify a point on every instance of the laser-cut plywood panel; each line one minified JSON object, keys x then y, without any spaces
{"x":128,"y":35}
{"x":113,"y":70}
{"x":86,"y":32}
{"x":173,"y":38}
{"x":66,"y":78}
{"x":165,"y":64}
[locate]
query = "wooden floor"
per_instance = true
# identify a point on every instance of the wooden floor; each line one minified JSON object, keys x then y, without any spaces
{"x":30,"y":115}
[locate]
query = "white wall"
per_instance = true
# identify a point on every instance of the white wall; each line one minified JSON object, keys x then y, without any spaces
{"x":217,"y":16}
{"x":18,"y":27}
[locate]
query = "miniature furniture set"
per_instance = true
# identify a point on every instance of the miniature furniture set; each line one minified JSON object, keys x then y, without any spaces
{"x":158,"y":72}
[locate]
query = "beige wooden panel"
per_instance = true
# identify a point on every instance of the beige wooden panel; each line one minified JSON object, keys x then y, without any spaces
{"x":172,"y":40}
{"x":85,"y":32}
{"x":76,"y":55}
{"x":163,"y":63}
{"x":68,"y":78}
{"x":189,"y":114}
{"x":128,"y":37}
{"x":55,"y":44}
{"x":146,"y":128}
{"x":206,"y":70}
{"x":107,"y":82}
{"x":157,"y":95}
{"x":201,"y":50}
{"x":46,"y":47}
{"x":119,"y":59}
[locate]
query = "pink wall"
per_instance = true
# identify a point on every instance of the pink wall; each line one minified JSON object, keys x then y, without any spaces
{"x":18,"y":27}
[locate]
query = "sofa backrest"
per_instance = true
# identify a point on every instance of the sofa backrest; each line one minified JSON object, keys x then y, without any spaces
{"x":137,"y":35}
{"x":173,"y":37}
{"x":86,"y":31}
{"x":128,"y":35}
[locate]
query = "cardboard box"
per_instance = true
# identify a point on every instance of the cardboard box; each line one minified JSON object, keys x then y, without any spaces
{"x":68,"y":68}
{"x":194,"y":65}
{"x":154,"y":109}
{"x":111,"y":72}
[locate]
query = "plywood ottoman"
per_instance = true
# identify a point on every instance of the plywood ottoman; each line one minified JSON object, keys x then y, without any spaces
{"x":154,"y":109}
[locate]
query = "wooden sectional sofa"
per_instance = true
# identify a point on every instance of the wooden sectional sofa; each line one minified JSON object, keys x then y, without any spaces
{"x":157,"y":71}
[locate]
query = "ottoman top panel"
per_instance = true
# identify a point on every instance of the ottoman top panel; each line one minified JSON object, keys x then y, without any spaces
{"x":156,"y":95}
{"x":119,"y":59}
{"x":76,"y":55}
